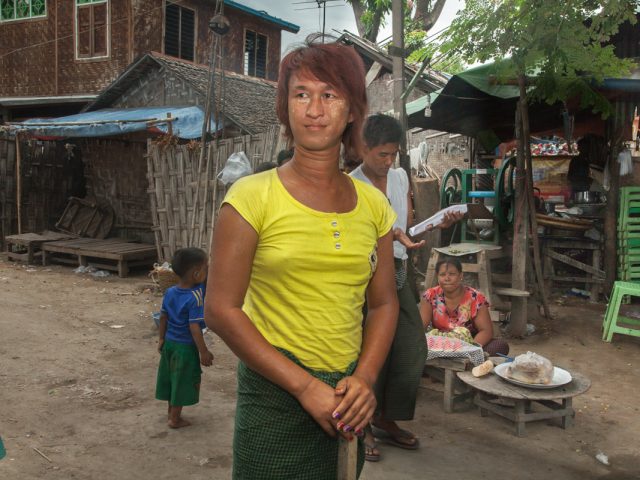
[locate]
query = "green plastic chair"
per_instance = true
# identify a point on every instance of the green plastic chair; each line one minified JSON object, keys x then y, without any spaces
{"x":612,"y":319}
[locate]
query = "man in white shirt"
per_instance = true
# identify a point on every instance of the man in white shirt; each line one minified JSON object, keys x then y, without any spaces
{"x":398,"y":381}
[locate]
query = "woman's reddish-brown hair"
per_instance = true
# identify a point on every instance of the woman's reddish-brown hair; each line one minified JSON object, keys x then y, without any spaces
{"x":337,"y":65}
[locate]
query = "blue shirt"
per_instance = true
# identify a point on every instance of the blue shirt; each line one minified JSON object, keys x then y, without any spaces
{"x":183,"y":306}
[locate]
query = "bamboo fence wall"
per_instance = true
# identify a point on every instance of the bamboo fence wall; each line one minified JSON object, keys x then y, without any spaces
{"x":185,"y":194}
{"x":7,"y":187}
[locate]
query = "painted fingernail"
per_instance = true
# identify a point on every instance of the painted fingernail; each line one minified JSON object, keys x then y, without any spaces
{"x":340,"y":425}
{"x":336,"y":415}
{"x":347,"y":428}
{"x":359,"y":432}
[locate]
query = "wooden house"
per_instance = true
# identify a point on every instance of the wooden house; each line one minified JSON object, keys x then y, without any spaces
{"x":56,"y":56}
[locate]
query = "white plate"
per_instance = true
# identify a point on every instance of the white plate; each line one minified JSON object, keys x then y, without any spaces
{"x":560,"y":377}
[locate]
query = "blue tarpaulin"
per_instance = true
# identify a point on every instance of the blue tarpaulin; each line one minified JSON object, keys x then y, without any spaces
{"x":187,"y":123}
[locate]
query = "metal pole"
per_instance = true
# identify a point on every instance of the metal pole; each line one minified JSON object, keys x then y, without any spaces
{"x":397,"y":52}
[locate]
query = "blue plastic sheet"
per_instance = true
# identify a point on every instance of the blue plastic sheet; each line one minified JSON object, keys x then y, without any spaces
{"x":187,"y":123}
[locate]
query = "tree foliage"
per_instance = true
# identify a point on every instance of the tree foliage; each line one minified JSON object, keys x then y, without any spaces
{"x":370,"y":15}
{"x":420,"y":17}
{"x":562,"y":47}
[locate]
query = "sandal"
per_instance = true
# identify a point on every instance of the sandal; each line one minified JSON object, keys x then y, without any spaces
{"x":398,"y":440}
{"x":369,"y":452}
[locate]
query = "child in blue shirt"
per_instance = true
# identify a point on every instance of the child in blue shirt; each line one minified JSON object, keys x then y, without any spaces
{"x":181,"y":344}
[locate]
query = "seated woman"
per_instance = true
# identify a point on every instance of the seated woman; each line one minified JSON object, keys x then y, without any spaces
{"x":452,"y":304}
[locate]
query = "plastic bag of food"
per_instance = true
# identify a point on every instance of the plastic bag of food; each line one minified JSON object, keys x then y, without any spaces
{"x":531,"y":368}
{"x":237,"y":166}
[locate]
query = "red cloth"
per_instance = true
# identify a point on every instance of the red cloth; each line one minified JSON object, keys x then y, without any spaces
{"x":463,"y":315}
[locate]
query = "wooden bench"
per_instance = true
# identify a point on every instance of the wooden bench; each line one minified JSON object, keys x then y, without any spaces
{"x":113,"y":254}
{"x":26,"y":247}
{"x":444,"y":370}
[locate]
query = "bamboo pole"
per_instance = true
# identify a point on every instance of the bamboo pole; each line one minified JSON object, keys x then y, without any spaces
{"x":203,"y":215}
{"x":397,"y":53}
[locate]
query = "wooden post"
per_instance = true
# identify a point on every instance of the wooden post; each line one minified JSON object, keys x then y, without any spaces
{"x":397,"y":53}
{"x":518,"y":322}
{"x":169,"y":124}
{"x":347,"y":459}
{"x":18,"y":183}
{"x":537,"y":265}
{"x":610,"y":220}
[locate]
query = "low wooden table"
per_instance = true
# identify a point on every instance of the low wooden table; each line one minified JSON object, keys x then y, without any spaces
{"x":113,"y":254}
{"x":444,"y":370}
{"x":26,"y":247}
{"x":557,"y":401}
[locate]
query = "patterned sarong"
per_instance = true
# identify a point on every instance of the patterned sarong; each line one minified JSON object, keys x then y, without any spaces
{"x":399,"y":378}
{"x":275,"y":438}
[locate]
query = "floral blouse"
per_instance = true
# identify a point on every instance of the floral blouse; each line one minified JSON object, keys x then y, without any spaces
{"x":464,"y":314}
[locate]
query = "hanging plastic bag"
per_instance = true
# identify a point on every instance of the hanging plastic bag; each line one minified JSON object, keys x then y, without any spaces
{"x":626,"y":163}
{"x":237,"y":166}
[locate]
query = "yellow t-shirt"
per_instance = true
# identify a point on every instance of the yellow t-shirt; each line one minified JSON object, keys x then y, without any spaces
{"x":310,"y":269}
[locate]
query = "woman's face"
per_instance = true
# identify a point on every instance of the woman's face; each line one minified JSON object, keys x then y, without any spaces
{"x":318,"y":113}
{"x":449,"y":278}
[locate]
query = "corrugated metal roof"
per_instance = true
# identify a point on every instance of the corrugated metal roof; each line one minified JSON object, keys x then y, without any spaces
{"x":186,"y":123}
{"x":289,"y":27}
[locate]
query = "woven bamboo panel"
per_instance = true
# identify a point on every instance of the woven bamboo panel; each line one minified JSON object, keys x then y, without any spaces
{"x":184,"y":192}
{"x":7,"y":188}
{"x":116,"y":178}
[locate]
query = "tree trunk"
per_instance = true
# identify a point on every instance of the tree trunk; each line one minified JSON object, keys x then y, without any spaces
{"x":427,"y":16}
{"x":358,"y":11}
{"x":537,"y":266}
{"x":372,"y":34}
{"x":518,"y":324}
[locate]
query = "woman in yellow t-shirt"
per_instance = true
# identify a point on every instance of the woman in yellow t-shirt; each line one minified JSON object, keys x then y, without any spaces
{"x":295,"y":250}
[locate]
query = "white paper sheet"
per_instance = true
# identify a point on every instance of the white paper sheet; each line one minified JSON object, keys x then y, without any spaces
{"x":437,"y":218}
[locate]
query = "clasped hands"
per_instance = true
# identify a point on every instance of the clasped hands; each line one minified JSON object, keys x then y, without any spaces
{"x":346,"y":410}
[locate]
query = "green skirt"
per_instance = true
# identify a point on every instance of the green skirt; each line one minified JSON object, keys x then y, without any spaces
{"x":275,"y":438}
{"x":179,"y":374}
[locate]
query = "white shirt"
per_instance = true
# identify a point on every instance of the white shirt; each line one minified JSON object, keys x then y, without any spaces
{"x":397,"y":193}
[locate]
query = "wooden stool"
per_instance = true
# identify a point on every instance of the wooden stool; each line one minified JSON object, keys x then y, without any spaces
{"x":444,"y":370}
{"x":612,"y":317}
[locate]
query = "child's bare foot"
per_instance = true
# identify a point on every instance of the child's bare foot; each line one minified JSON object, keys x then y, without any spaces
{"x":179,"y":423}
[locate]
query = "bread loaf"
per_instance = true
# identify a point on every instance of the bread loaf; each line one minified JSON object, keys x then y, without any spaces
{"x":482,"y":369}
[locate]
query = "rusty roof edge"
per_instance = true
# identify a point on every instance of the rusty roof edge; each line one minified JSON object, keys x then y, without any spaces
{"x":434,"y":80}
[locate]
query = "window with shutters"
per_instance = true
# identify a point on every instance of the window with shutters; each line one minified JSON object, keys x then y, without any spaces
{"x":92,"y":29}
{"x":179,"y":31}
{"x":22,"y":9}
{"x":255,"y":54}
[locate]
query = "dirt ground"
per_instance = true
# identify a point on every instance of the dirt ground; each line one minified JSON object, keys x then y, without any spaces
{"x":77,"y":373}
